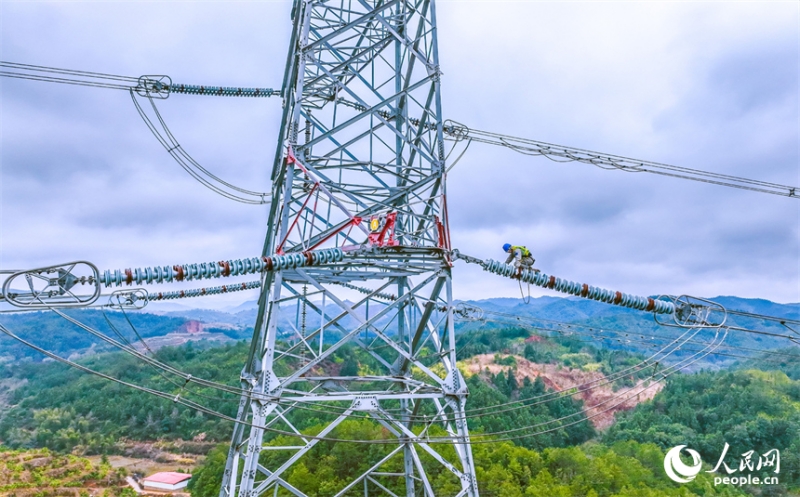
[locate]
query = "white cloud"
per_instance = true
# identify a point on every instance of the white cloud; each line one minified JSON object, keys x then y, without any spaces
{"x":696,"y":84}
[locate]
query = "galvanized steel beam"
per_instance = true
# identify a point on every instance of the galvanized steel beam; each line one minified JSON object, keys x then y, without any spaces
{"x":353,"y":172}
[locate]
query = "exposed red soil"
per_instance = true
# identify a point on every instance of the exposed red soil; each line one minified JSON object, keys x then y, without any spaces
{"x":591,"y":387}
{"x":192,"y":326}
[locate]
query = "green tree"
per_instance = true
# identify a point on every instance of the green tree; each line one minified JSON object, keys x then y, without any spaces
{"x":207,"y":479}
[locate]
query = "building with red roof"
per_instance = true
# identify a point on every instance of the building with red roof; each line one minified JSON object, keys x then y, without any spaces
{"x":167,"y":480}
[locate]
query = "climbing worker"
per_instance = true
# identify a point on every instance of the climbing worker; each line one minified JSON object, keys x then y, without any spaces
{"x":521,"y":256}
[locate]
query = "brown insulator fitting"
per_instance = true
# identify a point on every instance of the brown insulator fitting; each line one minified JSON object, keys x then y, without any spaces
{"x":226,"y":268}
{"x":178,"y":272}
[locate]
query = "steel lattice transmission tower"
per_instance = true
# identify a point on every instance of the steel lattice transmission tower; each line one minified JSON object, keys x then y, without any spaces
{"x":360,"y":169}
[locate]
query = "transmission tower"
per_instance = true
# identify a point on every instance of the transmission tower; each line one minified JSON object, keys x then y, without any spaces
{"x":359,"y":200}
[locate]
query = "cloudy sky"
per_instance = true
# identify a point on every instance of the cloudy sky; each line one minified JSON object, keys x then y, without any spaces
{"x":712,"y":86}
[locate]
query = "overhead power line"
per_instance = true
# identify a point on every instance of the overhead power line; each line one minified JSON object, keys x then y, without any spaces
{"x":189,"y":164}
{"x":657,"y":377}
{"x":675,"y":343}
{"x":487,"y":437}
{"x":154,"y":86}
{"x":430,"y":239}
{"x":596,"y":334}
{"x":561,"y":153}
{"x":348,"y":412}
{"x":456,"y":131}
{"x":81,"y":78}
{"x":518,"y":404}
{"x":161,"y":86}
{"x":519,"y":319}
{"x":388,"y":160}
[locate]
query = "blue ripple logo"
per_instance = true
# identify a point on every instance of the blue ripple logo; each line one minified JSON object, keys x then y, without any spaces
{"x":677,"y":470}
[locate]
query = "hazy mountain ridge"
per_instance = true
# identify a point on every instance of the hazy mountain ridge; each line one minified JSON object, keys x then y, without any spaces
{"x":52,"y":332}
{"x":553,"y":308}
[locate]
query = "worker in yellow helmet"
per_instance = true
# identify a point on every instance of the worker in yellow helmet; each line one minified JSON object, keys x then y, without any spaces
{"x":521,"y":256}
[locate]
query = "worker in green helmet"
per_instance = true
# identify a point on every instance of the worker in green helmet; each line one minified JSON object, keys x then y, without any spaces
{"x":521,"y":256}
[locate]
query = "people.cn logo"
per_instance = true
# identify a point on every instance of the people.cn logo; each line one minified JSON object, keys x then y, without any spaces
{"x":677,"y":470}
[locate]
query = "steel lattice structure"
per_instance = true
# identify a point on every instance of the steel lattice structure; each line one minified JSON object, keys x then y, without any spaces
{"x":357,"y":210}
{"x":360,"y":169}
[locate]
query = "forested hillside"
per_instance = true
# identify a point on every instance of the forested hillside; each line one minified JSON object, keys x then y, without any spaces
{"x":41,"y":473}
{"x":58,"y":335}
{"x":750,"y":410}
{"x":49,"y":405}
{"x":65,"y":409}
{"x":747,"y":409}
{"x":503,"y":469}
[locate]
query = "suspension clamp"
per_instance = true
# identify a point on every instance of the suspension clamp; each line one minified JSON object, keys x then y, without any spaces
{"x":154,"y":86}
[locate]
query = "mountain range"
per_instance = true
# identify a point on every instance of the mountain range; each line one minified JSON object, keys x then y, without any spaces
{"x":608,"y":325}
